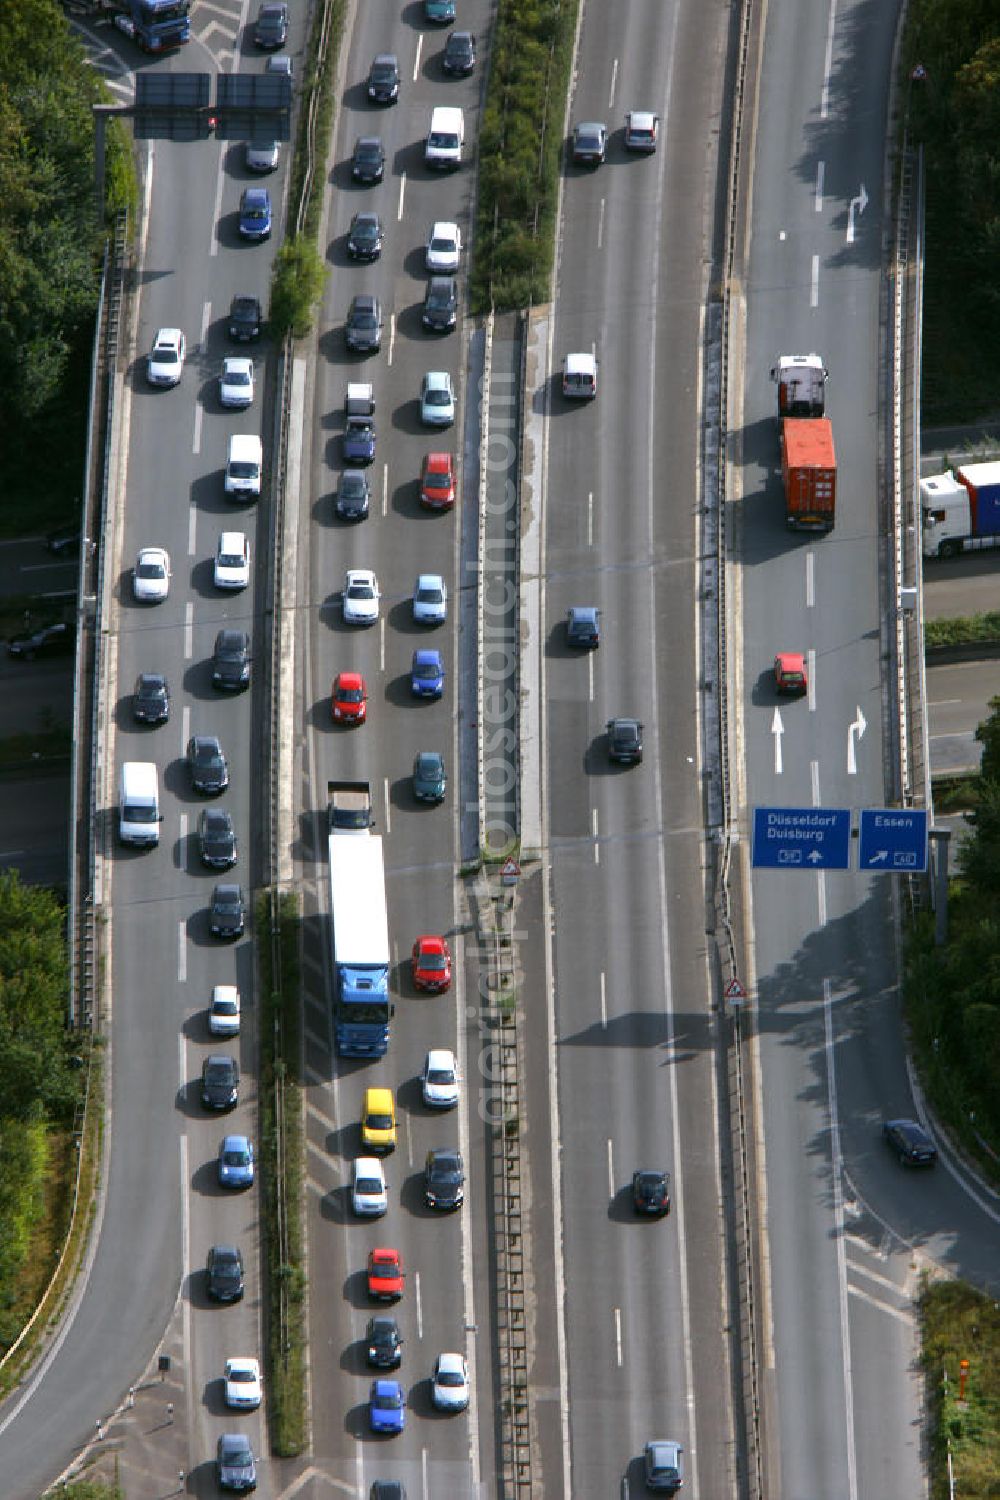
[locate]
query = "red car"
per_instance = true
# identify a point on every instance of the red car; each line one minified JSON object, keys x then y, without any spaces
{"x":349,"y":699}
{"x":790,"y":674}
{"x":431,"y":965}
{"x":437,"y":482}
{"x":385,"y":1275}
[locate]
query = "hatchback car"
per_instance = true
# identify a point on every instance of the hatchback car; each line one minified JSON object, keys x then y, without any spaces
{"x":358,"y":442}
{"x":641,"y":130}
{"x":439,"y":1079}
{"x":261,"y":155}
{"x":430,"y":780}
{"x":368,"y":159}
{"x":244,"y":1390}
{"x":363,"y":329}
{"x":235,"y":1466}
{"x":271,"y":29}
{"x":353,"y":495}
{"x":220,"y":1082}
{"x":790,"y":675}
{"x":224,"y":1277}
{"x":47,"y":640}
{"x":624,"y":741}
{"x":430,"y":964}
{"x":383,"y":79}
{"x":231,"y":660}
{"x":361,"y":597}
{"x":441,"y":12}
{"x":224,"y":1011}
{"x":166,"y":358}
{"x":427,"y":674}
{"x":444,"y":247}
{"x":207,"y":764}
{"x":440,"y":312}
{"x":235,"y":1161}
{"x":369,"y":1195}
{"x":245,"y":316}
{"x":349,"y":698}
{"x":365,"y":237}
{"x":663,"y":1465}
{"x":910,"y":1142}
{"x":232,"y":561}
{"x":459,"y":56}
{"x":151,"y":576}
{"x":430,"y":599}
{"x":151,"y":698}
{"x":378,"y":1121}
{"x":444,"y":1179}
{"x":386,"y":1406}
{"x":450,"y":1383}
{"x":281,"y":65}
{"x":383,"y":1343}
{"x":651,"y":1192}
{"x":583,"y":626}
{"x":437,"y":399}
{"x":227,"y":913}
{"x":590,"y":143}
{"x":236,"y":384}
{"x":255,"y":213}
{"x":385,"y":1274}
{"x":437,"y":482}
{"x":217,"y":839}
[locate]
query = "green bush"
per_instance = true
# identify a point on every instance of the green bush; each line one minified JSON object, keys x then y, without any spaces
{"x":964,"y":630}
{"x":296,"y":287}
{"x":959,"y":1323}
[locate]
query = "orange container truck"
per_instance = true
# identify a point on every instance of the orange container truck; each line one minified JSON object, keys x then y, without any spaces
{"x":809,"y":473}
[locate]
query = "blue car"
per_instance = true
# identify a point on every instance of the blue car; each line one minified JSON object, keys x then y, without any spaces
{"x":359,"y":440}
{"x":386,"y":1406}
{"x":427,"y":674}
{"x":441,"y":11}
{"x":235,"y":1162}
{"x":255,"y":213}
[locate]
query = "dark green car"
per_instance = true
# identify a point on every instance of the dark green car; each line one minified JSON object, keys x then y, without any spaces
{"x":429,"y":777}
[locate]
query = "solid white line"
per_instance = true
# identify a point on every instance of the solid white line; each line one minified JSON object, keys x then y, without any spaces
{"x":402,"y":194}
{"x":611,"y":1170}
{"x":618,"y":1336}
{"x":820,"y":170}
{"x":420,"y":1306}
{"x":814,"y":781}
{"x":824,"y":107}
{"x":614,"y":84}
{"x":810,"y":579}
{"x":416,"y":60}
{"x":604,"y":1002}
{"x":392,"y":337}
{"x":388,"y":813}
{"x":409,"y":1141}
{"x":196,"y":436}
{"x":185,"y":727}
{"x":600,"y":226}
{"x":192,"y":525}
{"x":821,"y":898}
{"x":423,"y":1473}
{"x":182,"y":961}
{"x":811,"y":672}
{"x":838,"y":1218}
{"x":590,"y":675}
{"x":381,"y":643}
{"x":597,"y":847}
{"x":182,"y":841}
{"x":188,"y":630}
{"x":385,"y":490}
{"x":181,"y":1066}
{"x":213,"y":247}
{"x":182,"y":1145}
{"x":814,"y":293}
{"x":590,"y":519}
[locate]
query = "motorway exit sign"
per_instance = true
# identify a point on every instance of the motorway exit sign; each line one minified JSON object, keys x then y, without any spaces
{"x":893,"y":838}
{"x":801,"y":838}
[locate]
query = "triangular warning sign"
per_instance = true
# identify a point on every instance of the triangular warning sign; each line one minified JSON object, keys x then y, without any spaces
{"x":510,"y":869}
{"x":735,"y":990}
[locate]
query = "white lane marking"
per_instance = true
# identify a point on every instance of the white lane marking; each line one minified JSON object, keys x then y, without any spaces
{"x":855,"y":733}
{"x":381,"y":643}
{"x":820,"y":170}
{"x":196,"y":435}
{"x":182,"y":954}
{"x":838,"y":1219}
{"x":777,"y":730}
{"x":385,"y":490}
{"x":811,"y":673}
{"x":181,"y":1063}
{"x":590,"y":674}
{"x":420,"y":1305}
{"x":814,"y":781}
{"x":182,"y":1147}
{"x":824,"y":107}
{"x":597,"y":847}
{"x":814,"y":291}
{"x":810,"y":579}
{"x":409,"y":1141}
{"x":618,"y":1336}
{"x":614,"y":84}
{"x":206,"y":318}
{"x":821,"y":898}
{"x":192,"y":525}
{"x":416,"y":60}
{"x":402,"y":194}
{"x":611,"y":1169}
{"x":217,"y":210}
{"x":600,"y":226}
{"x":423,"y":1473}
{"x":188,"y":630}
{"x":944,"y":702}
{"x":590,"y":518}
{"x":886,"y":1307}
{"x":392,"y":337}
{"x":182,"y":841}
{"x":185,"y":727}
{"x":388,"y":805}
{"x":604,"y":1002}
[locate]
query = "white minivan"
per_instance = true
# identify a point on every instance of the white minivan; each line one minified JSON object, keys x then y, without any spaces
{"x":446,"y":137}
{"x":243,"y":470}
{"x":139,"y":804}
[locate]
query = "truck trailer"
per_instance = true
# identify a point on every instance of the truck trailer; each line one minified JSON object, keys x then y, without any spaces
{"x":809,"y":473}
{"x":960,"y":511}
{"x":359,"y":926}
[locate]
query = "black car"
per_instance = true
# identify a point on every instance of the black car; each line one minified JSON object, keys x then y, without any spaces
{"x":444,"y":1179}
{"x":217,"y":839}
{"x":368,"y":161}
{"x":64,"y":541}
{"x":151,"y":698}
{"x":226,"y":915}
{"x":583,"y":626}
{"x":245,"y":315}
{"x":383,"y":1343}
{"x":363,"y":330}
{"x":459,"y":56}
{"x":353,"y":495}
{"x":625,"y":741}
{"x":383,"y":79}
{"x":911,"y":1143}
{"x":590,"y":143}
{"x":271,"y":29}
{"x":220,"y":1082}
{"x":364,"y":239}
{"x":440,"y":312}
{"x":651,"y":1192}
{"x":47,"y":640}
{"x":231,"y":659}
{"x":207,"y":764}
{"x":224,"y":1273}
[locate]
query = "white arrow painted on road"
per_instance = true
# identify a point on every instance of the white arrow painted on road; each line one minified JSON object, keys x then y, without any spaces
{"x":857,"y":728}
{"x":777,"y":729}
{"x":861,"y":203}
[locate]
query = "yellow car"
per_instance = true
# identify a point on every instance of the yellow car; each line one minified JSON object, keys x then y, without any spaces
{"x":378,"y":1120}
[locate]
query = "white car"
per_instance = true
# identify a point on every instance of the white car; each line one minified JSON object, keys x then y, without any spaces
{"x":232,"y":560}
{"x":243,"y":1387}
{"x":224,"y":1012}
{"x":437,"y":399}
{"x":261,"y":156}
{"x":369,"y":1197}
{"x":439,"y":1079}
{"x":166,"y":359}
{"x":236,"y":382}
{"x":430,"y":599}
{"x":444,"y":247}
{"x":450,"y":1383}
{"x":151,"y":578}
{"x":361,"y":597}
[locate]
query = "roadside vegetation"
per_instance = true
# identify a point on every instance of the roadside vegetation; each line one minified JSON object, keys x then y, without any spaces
{"x":50,"y":262}
{"x":520,"y":151}
{"x":964,"y":630}
{"x":958,"y":1323}
{"x":954,"y":111}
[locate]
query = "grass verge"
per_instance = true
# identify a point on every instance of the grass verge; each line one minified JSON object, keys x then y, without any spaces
{"x":963,"y":630}
{"x":282,"y":1174}
{"x":959,"y":1323}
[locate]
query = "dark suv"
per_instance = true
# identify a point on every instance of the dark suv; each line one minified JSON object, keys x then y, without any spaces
{"x":271,"y":30}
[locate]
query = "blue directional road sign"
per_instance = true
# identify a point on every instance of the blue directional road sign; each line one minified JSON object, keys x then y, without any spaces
{"x":801,"y":838}
{"x":893,"y":838}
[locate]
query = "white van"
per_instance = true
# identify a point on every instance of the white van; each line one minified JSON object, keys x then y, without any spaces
{"x":139,"y":804}
{"x":243,"y":470}
{"x":579,"y":382}
{"x":447,"y":135}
